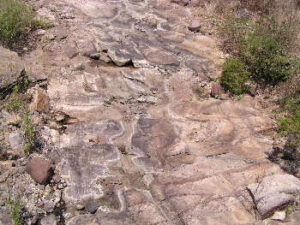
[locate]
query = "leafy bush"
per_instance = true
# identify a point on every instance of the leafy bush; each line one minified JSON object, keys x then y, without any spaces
{"x":264,"y":46}
{"x":16,"y":21}
{"x":234,"y":76}
{"x":265,"y":51}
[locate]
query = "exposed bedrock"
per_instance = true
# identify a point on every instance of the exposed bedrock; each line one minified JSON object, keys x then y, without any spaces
{"x":134,"y":136}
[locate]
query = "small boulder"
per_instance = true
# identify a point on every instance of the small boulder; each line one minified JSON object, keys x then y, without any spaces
{"x":50,"y":37}
{"x":80,"y":207}
{"x":120,"y":55}
{"x":271,"y":203}
{"x":16,"y":142}
{"x":279,"y":216}
{"x":147,"y":99}
{"x":91,"y":206}
{"x":95,"y":55}
{"x":39,"y":169}
{"x":40,"y":32}
{"x":40,"y":102}
{"x":273,"y":193}
{"x":195,"y":26}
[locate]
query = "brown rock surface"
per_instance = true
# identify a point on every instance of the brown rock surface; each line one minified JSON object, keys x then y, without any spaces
{"x":40,"y":102}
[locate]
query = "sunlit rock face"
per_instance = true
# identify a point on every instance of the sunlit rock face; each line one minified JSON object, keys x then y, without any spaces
{"x":140,"y":141}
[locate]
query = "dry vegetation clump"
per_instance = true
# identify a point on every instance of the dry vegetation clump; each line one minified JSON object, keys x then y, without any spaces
{"x":17,"y":20}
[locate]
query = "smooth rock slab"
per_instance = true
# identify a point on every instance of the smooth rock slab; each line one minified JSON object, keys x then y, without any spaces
{"x":83,"y":159}
{"x":11,"y":67}
{"x":152,"y":140}
{"x":162,"y":58}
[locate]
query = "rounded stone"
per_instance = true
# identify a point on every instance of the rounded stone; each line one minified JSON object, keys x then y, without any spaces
{"x":91,"y":206}
{"x":39,"y":169}
{"x":195,"y":26}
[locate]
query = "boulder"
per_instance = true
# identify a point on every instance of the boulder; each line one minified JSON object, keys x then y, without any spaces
{"x":11,"y":68}
{"x":273,"y":193}
{"x":40,"y":102}
{"x":195,"y":26}
{"x":91,"y":206}
{"x":39,"y":169}
{"x":279,"y":216}
{"x":16,"y":142}
{"x":120,"y":55}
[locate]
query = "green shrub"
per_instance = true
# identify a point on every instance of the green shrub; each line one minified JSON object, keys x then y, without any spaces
{"x":16,"y":21}
{"x":265,"y":51}
{"x":290,"y":123}
{"x":15,"y":102}
{"x":15,"y":209}
{"x":29,"y":133}
{"x":234,"y":76}
{"x":264,"y":45}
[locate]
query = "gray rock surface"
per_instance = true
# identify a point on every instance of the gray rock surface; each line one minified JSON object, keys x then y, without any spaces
{"x":16,"y":142}
{"x":91,"y":206}
{"x":49,"y":220}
